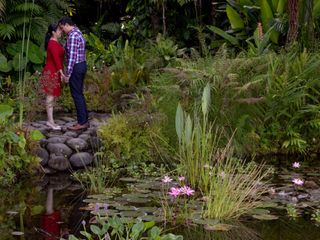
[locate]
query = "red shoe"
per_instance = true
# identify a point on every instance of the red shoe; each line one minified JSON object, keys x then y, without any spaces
{"x":78,"y":126}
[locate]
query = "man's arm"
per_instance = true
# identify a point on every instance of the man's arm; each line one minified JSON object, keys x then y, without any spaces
{"x":72,"y":48}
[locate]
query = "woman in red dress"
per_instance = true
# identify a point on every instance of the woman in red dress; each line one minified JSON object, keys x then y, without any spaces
{"x":53,"y":71}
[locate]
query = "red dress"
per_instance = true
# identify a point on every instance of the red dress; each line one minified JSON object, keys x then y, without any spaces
{"x":50,"y":79}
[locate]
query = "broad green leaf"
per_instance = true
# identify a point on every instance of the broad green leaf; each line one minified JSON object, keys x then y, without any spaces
{"x":281,"y":6}
{"x":179,"y":122}
{"x":5,"y":112}
{"x":96,"y":230}
{"x":171,"y":236}
{"x":35,"y":54}
{"x":267,"y":17}
{"x":137,"y":229}
{"x":234,"y":18}
{"x":154,"y":233}
{"x":188,"y":130}
{"x":316,"y":9}
{"x":72,"y":237}
{"x":206,"y":100}
{"x":148,"y":225}
{"x":36,"y":210}
{"x":5,"y":66}
{"x":226,"y":36}
{"x":19,"y":63}
{"x":36,"y":135}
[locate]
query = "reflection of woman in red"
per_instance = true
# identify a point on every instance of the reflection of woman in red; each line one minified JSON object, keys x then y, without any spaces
{"x":52,"y":72}
{"x":51,"y":219}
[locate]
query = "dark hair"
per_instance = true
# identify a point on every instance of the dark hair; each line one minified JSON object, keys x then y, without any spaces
{"x":52,"y":28}
{"x":66,"y":20}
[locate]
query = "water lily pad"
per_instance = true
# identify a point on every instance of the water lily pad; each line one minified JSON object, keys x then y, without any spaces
{"x":152,"y":218}
{"x":132,"y":214}
{"x":126,"y":208}
{"x":135,"y":195}
{"x":206,"y":221}
{"x":218,"y":227}
{"x":259,"y":211}
{"x":268,"y":205}
{"x":100,"y":196}
{"x":128,"y":179}
{"x":148,"y":209}
{"x":265,"y":217}
{"x":138,"y":200}
{"x":102,"y":212}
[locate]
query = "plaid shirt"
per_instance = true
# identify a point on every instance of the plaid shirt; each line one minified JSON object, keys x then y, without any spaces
{"x":75,"y":49}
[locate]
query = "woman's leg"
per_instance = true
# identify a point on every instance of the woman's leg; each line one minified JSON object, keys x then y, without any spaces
{"x":49,"y":108}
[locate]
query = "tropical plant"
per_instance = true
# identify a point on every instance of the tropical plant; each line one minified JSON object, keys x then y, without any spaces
{"x":14,"y":156}
{"x":15,"y":14}
{"x":120,"y":229}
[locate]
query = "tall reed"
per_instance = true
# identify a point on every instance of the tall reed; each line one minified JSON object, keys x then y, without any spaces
{"x":23,"y":60}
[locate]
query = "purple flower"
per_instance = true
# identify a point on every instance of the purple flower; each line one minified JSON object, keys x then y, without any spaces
{"x":181,"y":178}
{"x":296,"y":165}
{"x":97,"y":206}
{"x":166,"y":179}
{"x":222,"y":174}
{"x":174,"y":192}
{"x":83,"y":222}
{"x":105,"y":206}
{"x":187,"y":191}
{"x":298,"y":181}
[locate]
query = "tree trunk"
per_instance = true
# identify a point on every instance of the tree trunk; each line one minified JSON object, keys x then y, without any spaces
{"x":293,"y":12}
{"x":164,"y":30}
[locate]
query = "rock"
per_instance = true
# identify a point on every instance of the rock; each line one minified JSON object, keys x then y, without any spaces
{"x":44,"y":155}
{"x":54,"y":133}
{"x":69,"y":124}
{"x":85,"y":137}
{"x":60,"y":122}
{"x":311,"y":185}
{"x":43,"y":142}
{"x":81,"y":159}
{"x":91,"y":132}
{"x":71,"y":134}
{"x":314,"y":195}
{"x":49,"y":171}
{"x":57,"y":139}
{"x":59,"y":163}
{"x":37,"y":125}
{"x":59,"y":149}
{"x":77,"y":144}
{"x":59,"y":181}
{"x":67,"y":119}
{"x":95,"y":143}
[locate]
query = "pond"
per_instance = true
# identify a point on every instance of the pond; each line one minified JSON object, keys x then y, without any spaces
{"x":29,"y":208}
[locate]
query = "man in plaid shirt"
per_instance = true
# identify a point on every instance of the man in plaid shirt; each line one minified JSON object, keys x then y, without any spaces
{"x":76,"y":69}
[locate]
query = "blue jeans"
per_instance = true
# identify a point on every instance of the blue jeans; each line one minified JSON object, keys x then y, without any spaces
{"x":76,"y":88}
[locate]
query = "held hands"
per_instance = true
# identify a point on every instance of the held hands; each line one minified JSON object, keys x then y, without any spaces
{"x":63,"y":77}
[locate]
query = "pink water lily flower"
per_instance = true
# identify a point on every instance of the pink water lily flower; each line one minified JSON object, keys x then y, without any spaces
{"x":187,"y":191}
{"x":174,"y":192}
{"x":296,"y":165}
{"x":181,"y":178}
{"x":166,"y":179}
{"x":298,"y":181}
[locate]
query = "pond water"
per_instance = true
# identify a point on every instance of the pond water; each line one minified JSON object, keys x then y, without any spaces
{"x":31,"y":206}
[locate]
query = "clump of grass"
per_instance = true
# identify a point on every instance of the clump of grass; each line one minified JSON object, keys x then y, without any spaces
{"x":235,"y":187}
{"x":232,"y":187}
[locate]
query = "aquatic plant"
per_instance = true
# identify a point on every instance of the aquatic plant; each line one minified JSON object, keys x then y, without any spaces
{"x":120,"y":229}
{"x":316,"y":215}
{"x":292,"y":210}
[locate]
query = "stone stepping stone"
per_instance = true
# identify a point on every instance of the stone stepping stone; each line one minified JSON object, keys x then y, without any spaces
{"x":71,"y":134}
{"x":57,"y":139}
{"x":59,"y":163}
{"x":77,"y":144}
{"x":81,"y":159}
{"x":59,"y":149}
{"x":43,"y":155}
{"x":67,"y":119}
{"x":84,"y":136}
